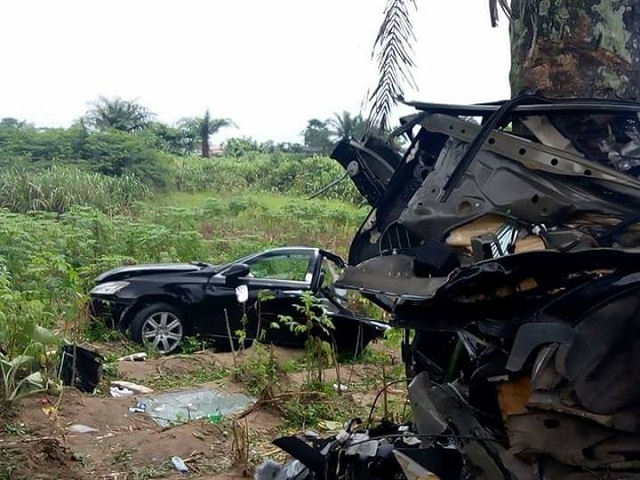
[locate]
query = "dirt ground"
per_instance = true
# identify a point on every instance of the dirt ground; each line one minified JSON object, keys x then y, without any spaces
{"x":37,"y":443}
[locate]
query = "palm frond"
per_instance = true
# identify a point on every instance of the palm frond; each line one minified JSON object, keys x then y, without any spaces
{"x":493,"y":10}
{"x":393,"y":48}
{"x":394,"y":52}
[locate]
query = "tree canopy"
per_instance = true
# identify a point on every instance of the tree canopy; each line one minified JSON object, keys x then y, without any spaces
{"x":118,"y":114}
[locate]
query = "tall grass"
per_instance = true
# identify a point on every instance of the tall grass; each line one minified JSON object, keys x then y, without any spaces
{"x":256,"y":172}
{"x":57,"y":189}
{"x":52,"y":258}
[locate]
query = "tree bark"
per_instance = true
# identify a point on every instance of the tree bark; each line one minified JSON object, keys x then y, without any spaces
{"x":205,"y":146}
{"x":576,"y":48}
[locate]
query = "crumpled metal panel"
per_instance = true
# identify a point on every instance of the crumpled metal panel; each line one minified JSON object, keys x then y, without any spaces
{"x":435,"y":407}
{"x":426,"y":416}
{"x":388,"y":275}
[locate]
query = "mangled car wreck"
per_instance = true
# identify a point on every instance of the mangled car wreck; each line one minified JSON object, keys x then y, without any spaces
{"x":504,"y":241}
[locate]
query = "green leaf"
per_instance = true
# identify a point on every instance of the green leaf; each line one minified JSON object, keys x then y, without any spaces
{"x":44,"y":336}
{"x":20,"y":361}
{"x":35,"y":380}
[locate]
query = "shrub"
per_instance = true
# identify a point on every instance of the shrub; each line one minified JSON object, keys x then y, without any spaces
{"x":277,"y":172}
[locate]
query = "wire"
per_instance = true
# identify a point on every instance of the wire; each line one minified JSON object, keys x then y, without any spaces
{"x":375,"y":400}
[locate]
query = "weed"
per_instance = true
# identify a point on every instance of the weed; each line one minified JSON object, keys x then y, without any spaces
{"x":8,"y":462}
{"x":151,"y":471}
{"x":192,"y":345}
{"x":98,"y":331}
{"x":290,"y":366}
{"x":57,"y":189}
{"x":122,"y":456}
{"x":240,"y":445}
{"x":16,"y":430}
{"x":259,"y":372}
{"x":81,"y":458}
{"x":316,"y":326}
{"x":309,"y":409}
{"x":203,"y":374}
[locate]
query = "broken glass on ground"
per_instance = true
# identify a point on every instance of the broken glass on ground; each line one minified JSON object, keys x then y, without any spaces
{"x":185,"y":406}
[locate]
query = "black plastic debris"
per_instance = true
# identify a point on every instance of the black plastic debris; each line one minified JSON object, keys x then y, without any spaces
{"x":359,"y":453}
{"x":80,"y":368}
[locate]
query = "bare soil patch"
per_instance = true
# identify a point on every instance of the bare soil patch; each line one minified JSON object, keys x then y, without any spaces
{"x":132,"y":446}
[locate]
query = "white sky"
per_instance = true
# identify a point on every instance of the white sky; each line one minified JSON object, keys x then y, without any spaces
{"x":270,"y":65}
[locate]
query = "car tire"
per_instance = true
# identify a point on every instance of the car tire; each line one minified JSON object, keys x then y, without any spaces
{"x":160,"y":327}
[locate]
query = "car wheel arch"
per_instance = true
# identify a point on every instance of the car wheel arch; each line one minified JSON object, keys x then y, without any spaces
{"x":147,"y":300}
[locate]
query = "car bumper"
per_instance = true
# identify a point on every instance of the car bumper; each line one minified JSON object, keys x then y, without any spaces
{"x":110,"y":309}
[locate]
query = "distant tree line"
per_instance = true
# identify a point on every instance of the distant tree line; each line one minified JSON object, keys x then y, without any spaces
{"x":117,"y":136}
{"x":193,"y":134}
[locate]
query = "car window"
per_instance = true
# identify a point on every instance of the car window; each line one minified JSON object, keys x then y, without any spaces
{"x":282,"y":267}
{"x":330,"y":272}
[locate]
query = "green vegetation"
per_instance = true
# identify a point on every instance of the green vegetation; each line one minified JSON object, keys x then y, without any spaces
{"x":120,"y":188}
{"x":57,"y":189}
{"x":278,"y":172}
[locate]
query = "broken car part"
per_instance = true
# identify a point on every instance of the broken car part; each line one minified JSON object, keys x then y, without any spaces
{"x":507,"y":240}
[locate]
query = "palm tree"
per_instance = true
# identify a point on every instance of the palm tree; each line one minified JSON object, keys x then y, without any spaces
{"x":203,"y":128}
{"x":124,"y":115}
{"x":10,"y":122}
{"x":345,"y":126}
{"x":565,"y":48}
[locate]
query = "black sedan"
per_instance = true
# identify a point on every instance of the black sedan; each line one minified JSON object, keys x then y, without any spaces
{"x":160,"y":304}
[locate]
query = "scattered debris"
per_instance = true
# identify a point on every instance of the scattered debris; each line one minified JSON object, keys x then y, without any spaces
{"x":329,"y":425}
{"x":179,"y":465}
{"x":80,"y":367}
{"x":134,"y":387}
{"x":185,"y":406}
{"x":134,"y":357}
{"x":79,"y":428}
{"x":215,"y":417}
{"x":140,"y":407}
{"x":270,"y":470}
{"x":356,"y":452}
{"x":119,"y":392}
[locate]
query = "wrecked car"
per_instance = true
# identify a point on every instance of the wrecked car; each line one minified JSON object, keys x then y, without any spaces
{"x":160,"y":304}
{"x":504,"y":240}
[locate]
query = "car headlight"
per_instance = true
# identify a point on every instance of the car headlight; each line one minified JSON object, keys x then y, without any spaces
{"x":108,"y":288}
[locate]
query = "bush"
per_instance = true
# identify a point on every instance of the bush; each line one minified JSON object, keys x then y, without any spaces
{"x":284,"y":173}
{"x":109,"y":152}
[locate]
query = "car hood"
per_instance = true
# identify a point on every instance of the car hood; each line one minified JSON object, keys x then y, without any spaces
{"x":129,"y":271}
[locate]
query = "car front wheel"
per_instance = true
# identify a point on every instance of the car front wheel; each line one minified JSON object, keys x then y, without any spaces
{"x":159,"y":327}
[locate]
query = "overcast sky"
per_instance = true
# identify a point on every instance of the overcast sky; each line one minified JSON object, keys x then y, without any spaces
{"x":270,"y":65}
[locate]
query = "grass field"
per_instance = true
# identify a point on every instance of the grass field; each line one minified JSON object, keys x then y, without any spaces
{"x":50,"y":252}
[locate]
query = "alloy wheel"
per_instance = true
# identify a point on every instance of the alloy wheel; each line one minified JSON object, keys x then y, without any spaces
{"x":162,"y":332}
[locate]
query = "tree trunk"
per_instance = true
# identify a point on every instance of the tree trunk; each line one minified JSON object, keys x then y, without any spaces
{"x":205,"y":146}
{"x":576,"y":48}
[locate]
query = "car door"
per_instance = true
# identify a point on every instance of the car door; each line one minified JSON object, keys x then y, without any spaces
{"x":274,"y":284}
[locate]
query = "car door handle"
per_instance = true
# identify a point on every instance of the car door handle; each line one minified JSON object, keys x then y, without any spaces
{"x":291,"y":293}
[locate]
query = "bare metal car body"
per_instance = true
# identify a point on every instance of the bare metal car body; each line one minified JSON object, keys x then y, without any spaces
{"x":506,"y":237}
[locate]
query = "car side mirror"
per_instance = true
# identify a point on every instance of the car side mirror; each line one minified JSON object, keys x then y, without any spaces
{"x":235,"y":272}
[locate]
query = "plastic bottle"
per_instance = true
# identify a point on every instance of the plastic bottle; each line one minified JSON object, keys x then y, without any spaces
{"x":215,"y":417}
{"x":179,"y":465}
